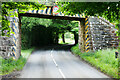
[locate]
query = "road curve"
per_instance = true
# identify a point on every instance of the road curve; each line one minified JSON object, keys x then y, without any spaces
{"x":57,"y":62}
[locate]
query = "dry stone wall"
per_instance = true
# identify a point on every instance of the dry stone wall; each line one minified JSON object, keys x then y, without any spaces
{"x":6,"y":45}
{"x":102,"y":34}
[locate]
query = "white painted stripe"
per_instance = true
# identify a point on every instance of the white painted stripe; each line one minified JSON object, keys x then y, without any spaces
{"x":14,"y":47}
{"x":73,"y":15}
{"x":39,"y":11}
{"x":30,"y":11}
{"x":44,"y":11}
{"x":16,"y":24}
{"x":80,"y":15}
{"x":62,"y":14}
{"x":51,"y":50}
{"x":77,"y":15}
{"x":61,"y":73}
{"x":49,"y":10}
{"x":14,"y":41}
{"x":70,"y":16}
{"x":55,"y":62}
{"x":35,"y":11}
{"x":15,"y":29}
{"x":57,"y":65}
{"x":83,"y":15}
{"x":16,"y":36}
{"x":53,"y":59}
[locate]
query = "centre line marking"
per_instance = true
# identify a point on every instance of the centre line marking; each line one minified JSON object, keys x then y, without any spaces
{"x":61,"y":73}
{"x":57,"y":65}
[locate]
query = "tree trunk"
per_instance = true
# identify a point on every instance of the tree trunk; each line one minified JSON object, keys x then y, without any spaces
{"x":56,"y":38}
{"x":20,"y":24}
{"x":75,"y":37}
{"x":63,"y":38}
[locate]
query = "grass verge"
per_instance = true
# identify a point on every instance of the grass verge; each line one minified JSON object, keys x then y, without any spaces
{"x":11,"y":65}
{"x":103,"y":60}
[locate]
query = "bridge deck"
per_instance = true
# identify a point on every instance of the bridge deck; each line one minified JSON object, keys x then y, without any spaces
{"x":51,"y":16}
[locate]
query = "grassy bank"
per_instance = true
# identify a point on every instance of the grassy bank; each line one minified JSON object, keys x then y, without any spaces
{"x":103,"y":60}
{"x":11,"y":65}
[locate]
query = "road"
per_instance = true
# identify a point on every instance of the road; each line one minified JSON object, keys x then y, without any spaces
{"x":58,"y":62}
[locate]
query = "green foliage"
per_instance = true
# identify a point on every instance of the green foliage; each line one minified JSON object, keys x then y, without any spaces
{"x":107,"y":10}
{"x":38,"y":32}
{"x":65,"y":25}
{"x":8,"y":9}
{"x":29,"y":22}
{"x":103,"y":59}
{"x":69,"y":38}
{"x":10,"y":65}
{"x":6,"y":28}
{"x":75,"y":49}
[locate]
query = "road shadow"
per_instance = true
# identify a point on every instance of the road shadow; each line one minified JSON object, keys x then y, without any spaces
{"x":65,"y":47}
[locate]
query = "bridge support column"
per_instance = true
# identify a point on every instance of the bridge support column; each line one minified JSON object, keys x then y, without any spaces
{"x":87,"y":36}
{"x":81,"y":40}
{"x":16,"y":39}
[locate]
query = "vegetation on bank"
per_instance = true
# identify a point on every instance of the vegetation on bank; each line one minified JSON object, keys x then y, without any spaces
{"x":104,"y":60}
{"x":11,"y":65}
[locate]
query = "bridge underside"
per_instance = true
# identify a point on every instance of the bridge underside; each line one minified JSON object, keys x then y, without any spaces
{"x":51,"y":16}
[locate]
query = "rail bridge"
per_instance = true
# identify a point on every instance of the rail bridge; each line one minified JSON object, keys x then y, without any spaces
{"x":94,"y":33}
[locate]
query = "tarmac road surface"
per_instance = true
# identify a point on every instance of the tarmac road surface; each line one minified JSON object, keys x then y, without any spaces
{"x":58,"y":62}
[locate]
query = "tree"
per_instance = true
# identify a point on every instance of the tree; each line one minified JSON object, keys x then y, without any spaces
{"x":8,"y":7}
{"x":108,"y":10}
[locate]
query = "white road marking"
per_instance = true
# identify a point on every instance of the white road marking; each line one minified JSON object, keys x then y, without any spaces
{"x":53,"y":59}
{"x":57,"y":65}
{"x":61,"y":73}
{"x":55,"y":62}
{"x":51,"y":50}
